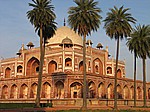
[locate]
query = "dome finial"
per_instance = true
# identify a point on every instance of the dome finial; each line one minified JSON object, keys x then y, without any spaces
{"x":64,"y":22}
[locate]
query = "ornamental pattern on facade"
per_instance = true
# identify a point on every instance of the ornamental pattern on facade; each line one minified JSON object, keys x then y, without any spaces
{"x":63,"y":71}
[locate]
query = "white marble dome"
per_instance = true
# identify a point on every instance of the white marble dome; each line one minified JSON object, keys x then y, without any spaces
{"x":63,"y":32}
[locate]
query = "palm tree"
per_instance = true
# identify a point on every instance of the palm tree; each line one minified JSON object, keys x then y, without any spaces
{"x":48,"y":32}
{"x":133,"y":47}
{"x":141,"y":42}
{"x":117,"y":25}
{"x":84,"y":18}
{"x":41,"y":15}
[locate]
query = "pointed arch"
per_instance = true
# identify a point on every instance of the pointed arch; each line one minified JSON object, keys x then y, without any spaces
{"x":52,"y":66}
{"x":101,"y":90}
{"x":126,"y":92}
{"x":24,"y":91}
{"x":68,"y":62}
{"x":32,"y":66}
{"x":119,"y":74}
{"x":132,"y":92}
{"x":92,"y":90}
{"x":33,"y":90}
{"x":14,"y":92}
{"x":46,"y":90}
{"x":4,"y":92}
{"x":109,"y":70}
{"x":119,"y":94}
{"x":7,"y":72}
{"x":98,"y":66}
{"x":110,"y":94}
{"x":59,"y":89}
{"x":76,"y":90}
{"x":81,"y":66}
{"x":139,"y":93}
{"x":19,"y":69}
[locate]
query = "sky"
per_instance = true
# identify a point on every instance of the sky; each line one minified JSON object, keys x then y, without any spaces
{"x":15,"y":28}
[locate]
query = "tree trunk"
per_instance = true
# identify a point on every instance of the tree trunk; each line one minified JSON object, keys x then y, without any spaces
{"x":37,"y":101}
{"x":115,"y":79}
{"x":144,"y":81}
{"x":84,"y":75}
{"x":134,"y":79}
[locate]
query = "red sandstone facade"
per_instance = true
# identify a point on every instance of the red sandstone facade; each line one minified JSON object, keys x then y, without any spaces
{"x":62,"y":72}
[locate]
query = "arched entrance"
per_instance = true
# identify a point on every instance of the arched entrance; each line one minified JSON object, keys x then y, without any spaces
{"x":92,"y":90}
{"x":24,"y":91}
{"x":110,"y":94}
{"x":101,"y":91}
{"x":76,"y":90}
{"x":139,"y":93}
{"x":5,"y":92}
{"x":132,"y":92}
{"x":33,"y":90}
{"x":46,"y":90}
{"x":59,"y":90}
{"x":14,"y":92}
{"x":126,"y":92}
{"x":119,"y":94}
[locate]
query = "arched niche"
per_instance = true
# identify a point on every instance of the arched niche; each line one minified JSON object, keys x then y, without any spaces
{"x":24,"y":91}
{"x":4,"y":92}
{"x":139,"y":93}
{"x":59,"y":89}
{"x":98,"y":66}
{"x":119,"y":74}
{"x":110,"y":94}
{"x":14,"y":92}
{"x":68,"y":62}
{"x":52,"y":66}
{"x":76,"y":90}
{"x":46,"y":90}
{"x":109,"y":70}
{"x":101,"y":90}
{"x":33,"y":90}
{"x":91,"y":90}
{"x":126,"y":92}
{"x":7,"y":72}
{"x":32,"y":67}
{"x":81,"y":66}
{"x":119,"y":93}
{"x":132,"y":92}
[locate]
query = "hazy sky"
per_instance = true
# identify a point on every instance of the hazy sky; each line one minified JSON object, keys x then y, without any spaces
{"x":15,"y":28}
